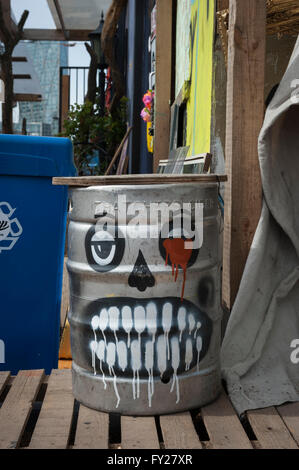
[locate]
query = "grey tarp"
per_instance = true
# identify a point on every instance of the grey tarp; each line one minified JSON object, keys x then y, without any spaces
{"x":256,"y":351}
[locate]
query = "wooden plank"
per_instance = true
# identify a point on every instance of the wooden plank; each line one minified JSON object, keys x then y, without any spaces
{"x":179,"y":432}
{"x":290,"y":415}
{"x":245,"y":111}
{"x":164,"y":66}
{"x":4,"y":378}
{"x":223,"y":425}
{"x":54,"y":422}
{"x":27,"y":97}
{"x":139,"y":433}
{"x":137,"y":179}
{"x":36,"y":34}
{"x":65,"y":100}
{"x":270,"y":430}
{"x":65,"y":343}
{"x":92,"y":429}
{"x":64,"y":364}
{"x":16,"y":408}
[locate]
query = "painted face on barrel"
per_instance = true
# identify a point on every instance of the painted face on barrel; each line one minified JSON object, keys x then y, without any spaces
{"x":143,"y":334}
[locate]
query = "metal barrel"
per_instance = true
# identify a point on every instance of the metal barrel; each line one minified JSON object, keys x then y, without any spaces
{"x":145,"y":310}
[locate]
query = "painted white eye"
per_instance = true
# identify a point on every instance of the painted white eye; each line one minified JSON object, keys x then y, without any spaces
{"x":103,"y":248}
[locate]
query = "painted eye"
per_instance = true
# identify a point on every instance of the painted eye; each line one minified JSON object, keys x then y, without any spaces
{"x":176,"y":244}
{"x":103,"y":248}
{"x":104,"y":251}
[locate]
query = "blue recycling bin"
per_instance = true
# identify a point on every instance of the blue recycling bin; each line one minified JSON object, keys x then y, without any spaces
{"x":32,"y":235}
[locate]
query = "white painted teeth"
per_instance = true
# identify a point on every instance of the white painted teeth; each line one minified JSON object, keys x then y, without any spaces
{"x":101,"y":350}
{"x":182,"y":320}
{"x":151,"y":319}
{"x":110,"y":355}
{"x":122,"y":354}
{"x":144,"y":319}
{"x":189,"y":353}
{"x":95,"y":322}
{"x":149,"y":365}
{"x":157,"y":353}
{"x":191,"y":323}
{"x":101,"y":356}
{"x":175,"y":362}
{"x":136,"y":366}
{"x":199,"y":348}
{"x":166,"y":323}
{"x":103,"y":322}
{"x":113,"y":313}
{"x":161,"y":352}
{"x":198,"y":326}
{"x":127,"y":321}
{"x":111,"y":361}
{"x":139,"y":320}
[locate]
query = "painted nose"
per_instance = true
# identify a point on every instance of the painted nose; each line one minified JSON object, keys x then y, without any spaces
{"x":141,"y":277}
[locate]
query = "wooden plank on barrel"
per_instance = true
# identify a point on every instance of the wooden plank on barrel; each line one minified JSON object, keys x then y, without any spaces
{"x":92,"y":429}
{"x":139,"y":433}
{"x":179,"y":432}
{"x":270,"y":429}
{"x":17,"y":406}
{"x":290,"y":416}
{"x":223,"y":425}
{"x":137,"y":179}
{"x":4,"y":378}
{"x":54,"y":422}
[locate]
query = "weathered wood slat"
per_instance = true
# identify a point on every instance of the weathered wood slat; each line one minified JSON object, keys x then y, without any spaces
{"x":245,"y":113}
{"x":290,"y":416}
{"x":4,"y":378}
{"x":223,"y":425}
{"x":92,"y":429}
{"x":54,"y":422}
{"x":164,"y":66}
{"x":16,"y":408}
{"x":270,"y":429}
{"x":137,"y":179}
{"x":179,"y":432}
{"x":139,"y":433}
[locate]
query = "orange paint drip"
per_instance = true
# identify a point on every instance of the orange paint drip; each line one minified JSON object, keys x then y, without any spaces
{"x":179,"y":257}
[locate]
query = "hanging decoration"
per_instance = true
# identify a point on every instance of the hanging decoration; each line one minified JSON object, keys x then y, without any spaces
{"x":147,"y":114}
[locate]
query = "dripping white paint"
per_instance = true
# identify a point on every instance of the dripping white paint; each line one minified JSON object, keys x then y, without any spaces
{"x":165,"y":340}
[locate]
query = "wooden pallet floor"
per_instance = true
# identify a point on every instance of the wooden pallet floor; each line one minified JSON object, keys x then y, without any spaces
{"x":39,"y":412}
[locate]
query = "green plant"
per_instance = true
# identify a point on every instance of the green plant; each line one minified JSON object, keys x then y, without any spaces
{"x":95,"y":135}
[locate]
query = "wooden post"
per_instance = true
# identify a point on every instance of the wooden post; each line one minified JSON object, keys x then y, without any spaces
{"x":65,"y":99}
{"x":163,"y":80}
{"x":245,"y":111}
{"x":222,"y":5}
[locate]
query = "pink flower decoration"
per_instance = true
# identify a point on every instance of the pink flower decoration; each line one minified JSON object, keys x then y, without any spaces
{"x":145,"y":115}
{"x":148,"y":99}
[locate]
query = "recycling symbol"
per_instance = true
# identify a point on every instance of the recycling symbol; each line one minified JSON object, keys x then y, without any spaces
{"x":10,"y":228}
